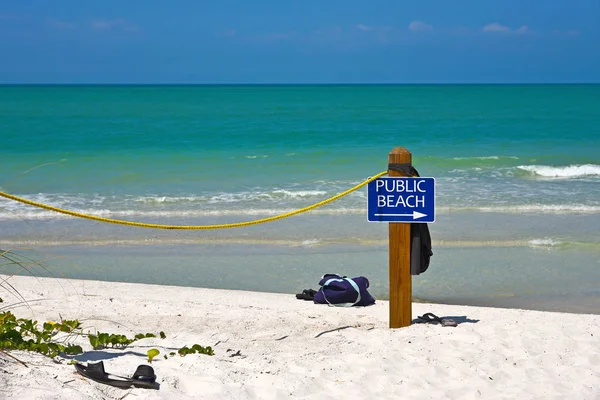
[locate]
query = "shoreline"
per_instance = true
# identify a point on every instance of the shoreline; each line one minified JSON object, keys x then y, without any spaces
{"x":556,"y":306}
{"x":294,"y":348}
{"x":527,"y":278}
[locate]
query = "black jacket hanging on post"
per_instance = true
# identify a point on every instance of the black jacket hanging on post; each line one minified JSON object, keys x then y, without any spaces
{"x":420,"y":248}
{"x":420,"y":239}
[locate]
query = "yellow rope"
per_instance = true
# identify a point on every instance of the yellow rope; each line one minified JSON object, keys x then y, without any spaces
{"x":192,"y":227}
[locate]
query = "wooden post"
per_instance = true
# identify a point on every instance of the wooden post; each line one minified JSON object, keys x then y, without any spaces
{"x":399,"y":253}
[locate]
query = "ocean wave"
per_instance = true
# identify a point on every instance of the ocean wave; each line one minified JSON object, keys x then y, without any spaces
{"x":299,"y":193}
{"x":169,"y":199}
{"x":570,"y":171}
{"x":466,"y":163}
{"x":80,"y":200}
{"x":486,"y":158}
{"x":24,"y":212}
{"x":543,"y":243}
{"x":549,"y":243}
{"x":276,"y":195}
{"x":310,"y":242}
{"x":528,"y":208}
{"x":260,"y":212}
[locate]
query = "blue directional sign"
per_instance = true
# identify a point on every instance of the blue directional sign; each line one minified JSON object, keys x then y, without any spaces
{"x":401,"y":199}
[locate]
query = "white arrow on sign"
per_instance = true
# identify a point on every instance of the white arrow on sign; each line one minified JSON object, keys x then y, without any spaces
{"x":414,"y":215}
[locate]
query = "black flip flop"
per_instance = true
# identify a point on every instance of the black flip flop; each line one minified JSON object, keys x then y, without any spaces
{"x":430,"y":317}
{"x":143,"y":377}
{"x":307,"y":294}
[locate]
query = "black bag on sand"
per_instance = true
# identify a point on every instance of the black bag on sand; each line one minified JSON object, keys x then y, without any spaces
{"x":341,"y":291}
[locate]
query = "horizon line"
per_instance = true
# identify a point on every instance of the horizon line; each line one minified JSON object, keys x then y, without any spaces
{"x":295,"y":84}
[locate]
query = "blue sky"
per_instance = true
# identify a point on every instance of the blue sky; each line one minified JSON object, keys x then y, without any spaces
{"x":309,"y":41}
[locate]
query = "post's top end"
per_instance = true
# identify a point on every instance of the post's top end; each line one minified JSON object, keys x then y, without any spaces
{"x":400,"y":150}
{"x":399,"y":156}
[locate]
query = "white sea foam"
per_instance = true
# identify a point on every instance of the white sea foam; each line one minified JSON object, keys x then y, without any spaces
{"x":275,"y":202}
{"x":170,"y":199}
{"x":545,"y":242}
{"x":310,"y":242}
{"x":300,"y":193}
{"x":485,"y":158}
{"x":529,"y":208}
{"x":33,"y":213}
{"x":570,"y":171}
{"x":544,"y":208}
{"x":18,"y":211}
{"x":277,"y":194}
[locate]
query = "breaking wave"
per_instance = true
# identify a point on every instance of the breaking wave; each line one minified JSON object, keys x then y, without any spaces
{"x":570,"y":171}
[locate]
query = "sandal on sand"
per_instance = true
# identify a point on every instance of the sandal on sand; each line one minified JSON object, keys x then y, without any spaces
{"x":430,"y":317}
{"x":143,"y":377}
{"x":307,"y":294}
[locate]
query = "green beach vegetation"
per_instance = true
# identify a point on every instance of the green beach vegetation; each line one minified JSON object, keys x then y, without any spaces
{"x":57,"y":339}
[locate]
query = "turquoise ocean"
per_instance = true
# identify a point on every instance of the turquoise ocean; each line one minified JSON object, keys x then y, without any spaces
{"x":517,"y":171}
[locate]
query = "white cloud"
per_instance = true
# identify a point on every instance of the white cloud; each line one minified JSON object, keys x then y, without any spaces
{"x":495,"y":27}
{"x":381,"y":33}
{"x":119,"y":23}
{"x":365,"y":28}
{"x":498,"y":28}
{"x":522,"y":29}
{"x":419,"y":26}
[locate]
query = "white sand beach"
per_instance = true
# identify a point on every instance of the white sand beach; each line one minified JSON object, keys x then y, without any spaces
{"x":273,"y":346}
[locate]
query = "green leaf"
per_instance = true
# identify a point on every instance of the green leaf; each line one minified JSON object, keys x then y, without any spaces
{"x":203,"y":350}
{"x":162,"y":335}
{"x":73,"y":349}
{"x":103,"y":338}
{"x":94,"y":341}
{"x":183,"y":351}
{"x":152,"y":353}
